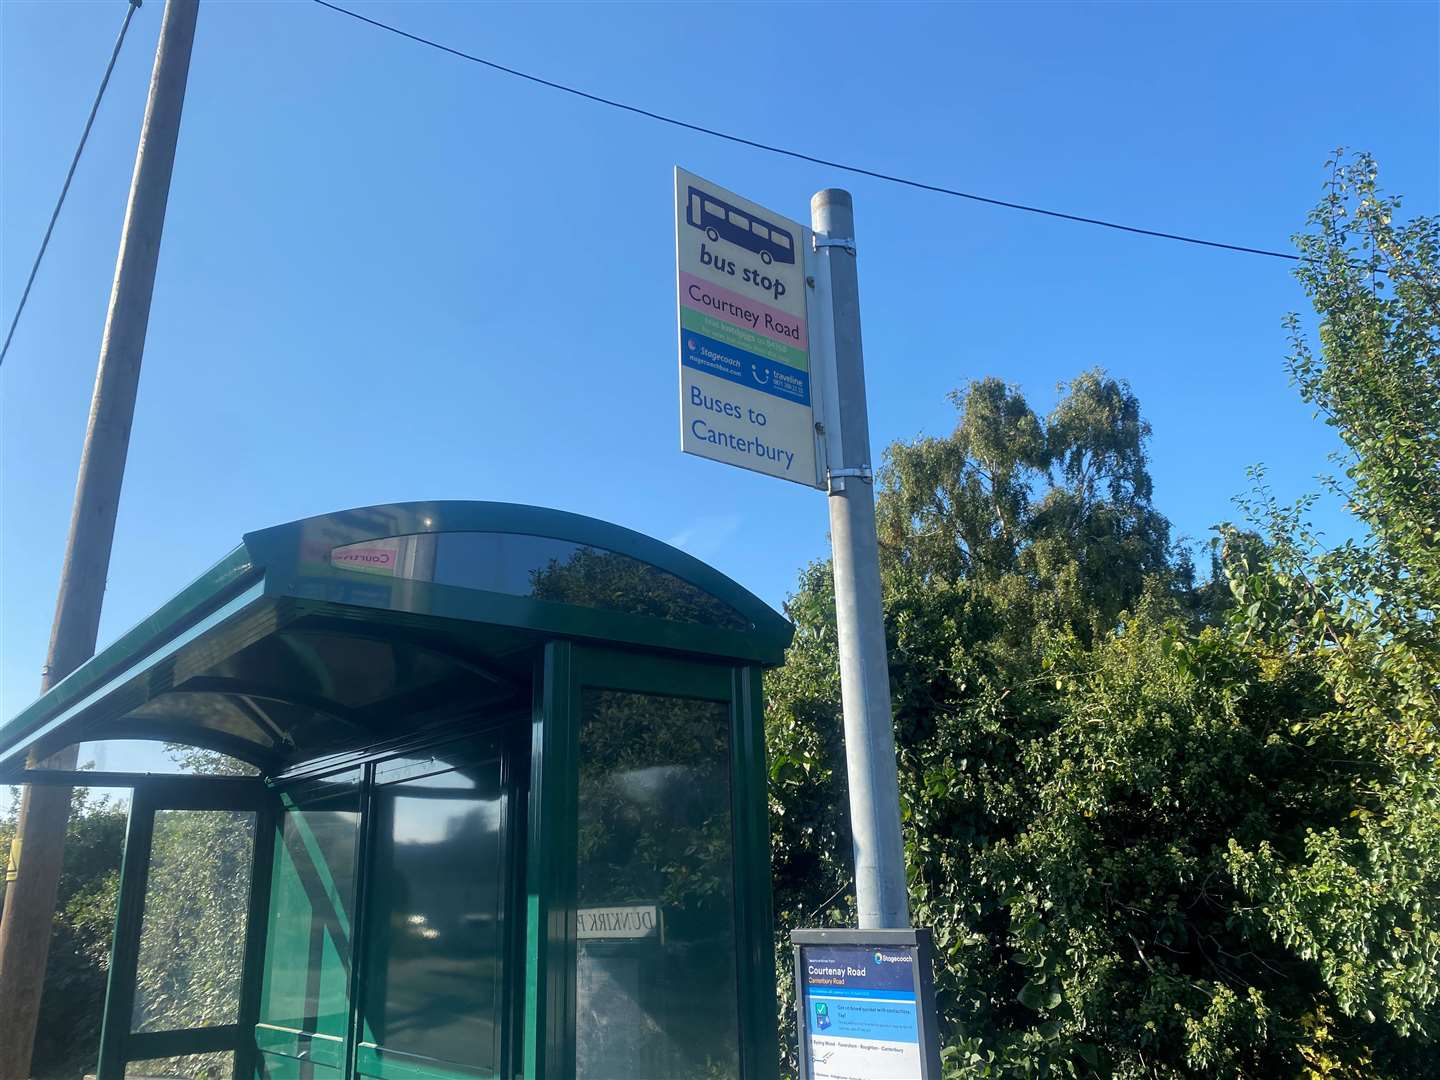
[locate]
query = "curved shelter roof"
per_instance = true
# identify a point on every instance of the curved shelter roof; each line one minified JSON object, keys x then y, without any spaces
{"x":339,"y":631}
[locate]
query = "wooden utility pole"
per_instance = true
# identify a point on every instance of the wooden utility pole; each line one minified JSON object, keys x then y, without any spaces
{"x":35,"y":859}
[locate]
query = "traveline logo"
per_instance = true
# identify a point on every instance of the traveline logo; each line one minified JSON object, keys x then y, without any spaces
{"x":892,"y":958}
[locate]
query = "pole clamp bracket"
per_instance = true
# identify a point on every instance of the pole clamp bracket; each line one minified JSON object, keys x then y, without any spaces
{"x":845,"y":242}
{"x":859,"y":472}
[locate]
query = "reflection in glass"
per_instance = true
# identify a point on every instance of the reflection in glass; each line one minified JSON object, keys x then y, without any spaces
{"x":192,"y":933}
{"x":434,"y":965}
{"x":148,"y":756}
{"x":68,"y":1027}
{"x":546,"y":568}
{"x":177,"y":711}
{"x":654,"y":831}
{"x":215,"y":1066}
{"x":312,"y":908}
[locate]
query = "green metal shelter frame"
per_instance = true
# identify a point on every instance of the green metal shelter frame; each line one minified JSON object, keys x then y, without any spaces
{"x":569,"y":703}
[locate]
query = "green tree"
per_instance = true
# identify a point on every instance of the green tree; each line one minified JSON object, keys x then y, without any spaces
{"x":68,"y":1037}
{"x":1011,"y":535}
{"x":1360,"y":897}
{"x":1160,"y":829}
{"x":192,"y":938}
{"x":194,"y":922}
{"x":1050,"y":518}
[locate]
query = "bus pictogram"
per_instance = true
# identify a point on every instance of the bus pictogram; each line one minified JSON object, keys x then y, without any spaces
{"x":721,"y":221}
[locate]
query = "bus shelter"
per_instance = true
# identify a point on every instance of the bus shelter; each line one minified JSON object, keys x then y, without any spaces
{"x":474,"y":790}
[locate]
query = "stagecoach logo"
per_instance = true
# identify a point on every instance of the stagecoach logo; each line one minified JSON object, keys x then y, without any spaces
{"x":618,"y":923}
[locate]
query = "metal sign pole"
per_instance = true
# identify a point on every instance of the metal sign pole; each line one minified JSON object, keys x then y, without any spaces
{"x":864,"y":666}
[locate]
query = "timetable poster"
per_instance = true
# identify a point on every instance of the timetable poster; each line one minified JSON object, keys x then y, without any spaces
{"x":861,"y":1013}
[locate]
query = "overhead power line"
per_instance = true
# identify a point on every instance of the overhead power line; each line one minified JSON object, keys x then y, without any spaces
{"x":799,"y":155}
{"x":65,"y":188}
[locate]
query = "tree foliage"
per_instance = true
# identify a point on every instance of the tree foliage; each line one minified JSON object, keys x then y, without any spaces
{"x":1159,"y":828}
{"x":1360,"y":899}
{"x":193,"y":932}
{"x":68,"y":1037}
{"x":192,"y":939}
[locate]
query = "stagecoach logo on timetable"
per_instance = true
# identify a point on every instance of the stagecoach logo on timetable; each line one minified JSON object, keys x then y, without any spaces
{"x":745,"y":393}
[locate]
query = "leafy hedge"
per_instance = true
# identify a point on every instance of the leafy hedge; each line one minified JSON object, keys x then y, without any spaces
{"x":1160,"y":828}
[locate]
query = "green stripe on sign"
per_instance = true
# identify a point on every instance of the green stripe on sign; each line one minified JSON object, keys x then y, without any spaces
{"x":749,"y":340}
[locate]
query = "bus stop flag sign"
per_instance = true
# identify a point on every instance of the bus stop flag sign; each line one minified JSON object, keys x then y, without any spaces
{"x":745,"y":389}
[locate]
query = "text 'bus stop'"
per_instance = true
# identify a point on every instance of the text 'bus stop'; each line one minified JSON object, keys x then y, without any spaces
{"x":494,"y":807}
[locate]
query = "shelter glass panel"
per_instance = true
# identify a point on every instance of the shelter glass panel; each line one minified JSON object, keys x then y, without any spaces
{"x":542,"y":568}
{"x":656,"y":992}
{"x":226,"y":714}
{"x":435,"y":957}
{"x":146,"y":756}
{"x":214,"y":1066}
{"x":312,"y":912}
{"x":192,"y":931}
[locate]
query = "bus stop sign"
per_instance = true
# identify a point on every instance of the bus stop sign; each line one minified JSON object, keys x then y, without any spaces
{"x":745,"y":387}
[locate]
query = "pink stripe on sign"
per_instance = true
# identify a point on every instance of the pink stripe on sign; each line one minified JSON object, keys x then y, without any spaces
{"x":700,"y":295}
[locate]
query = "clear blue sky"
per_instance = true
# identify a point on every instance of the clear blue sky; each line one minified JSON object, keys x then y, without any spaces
{"x":388,"y":274}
